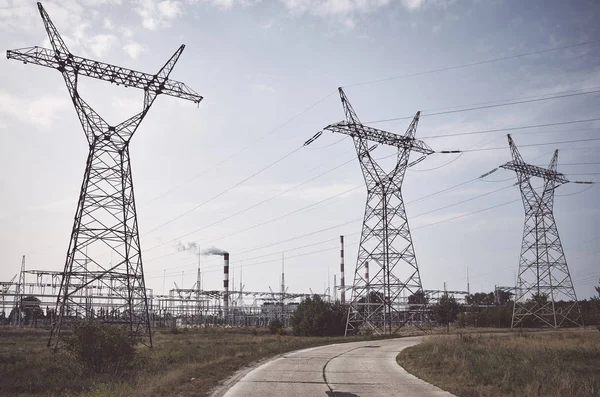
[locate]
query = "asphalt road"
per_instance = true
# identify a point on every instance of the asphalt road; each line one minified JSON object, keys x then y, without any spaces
{"x":365,"y":369}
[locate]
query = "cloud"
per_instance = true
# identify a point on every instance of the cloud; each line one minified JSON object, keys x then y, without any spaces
{"x":412,"y":4}
{"x":158,"y":14}
{"x":43,"y":111}
{"x":333,"y":7}
{"x":133,"y":49}
{"x":227,"y":4}
{"x":101,"y":44}
{"x":108,"y":24}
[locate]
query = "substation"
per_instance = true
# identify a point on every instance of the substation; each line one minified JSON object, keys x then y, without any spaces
{"x":384,"y":277}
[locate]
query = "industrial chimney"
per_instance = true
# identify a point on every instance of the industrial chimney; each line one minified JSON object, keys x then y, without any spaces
{"x":226,"y":285}
{"x":342,"y":280}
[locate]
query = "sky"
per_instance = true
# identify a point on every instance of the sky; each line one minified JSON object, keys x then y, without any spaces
{"x":269,"y":72}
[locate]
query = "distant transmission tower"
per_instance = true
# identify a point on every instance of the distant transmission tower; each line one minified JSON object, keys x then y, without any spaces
{"x":544,"y":292}
{"x":106,"y":213}
{"x":19,"y":292}
{"x":385,"y":244}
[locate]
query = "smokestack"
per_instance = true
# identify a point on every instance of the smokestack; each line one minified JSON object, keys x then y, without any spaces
{"x":226,"y":284}
{"x":199,"y":276}
{"x":335,"y":291}
{"x":342,"y":279}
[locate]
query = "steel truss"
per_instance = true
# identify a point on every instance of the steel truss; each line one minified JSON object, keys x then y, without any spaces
{"x":106,"y":218}
{"x":179,"y":308}
{"x":386,"y":243}
{"x":544,"y":293}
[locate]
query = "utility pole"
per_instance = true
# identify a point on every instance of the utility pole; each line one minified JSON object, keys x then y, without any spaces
{"x":106,"y":212}
{"x":385,"y":242}
{"x":544,"y":289}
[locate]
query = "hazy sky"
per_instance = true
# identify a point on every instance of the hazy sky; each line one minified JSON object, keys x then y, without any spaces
{"x":260,"y":63}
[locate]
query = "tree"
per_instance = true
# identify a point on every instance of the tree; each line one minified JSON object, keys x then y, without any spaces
{"x":418,"y":298}
{"x":29,"y":310}
{"x":446,"y":310}
{"x":315,"y":317}
{"x":598,"y":289}
{"x":30,"y":306}
{"x":480,"y":298}
{"x":539,"y":298}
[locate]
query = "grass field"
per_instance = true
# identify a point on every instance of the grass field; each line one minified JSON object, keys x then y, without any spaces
{"x":186,"y":364}
{"x":548,"y":364}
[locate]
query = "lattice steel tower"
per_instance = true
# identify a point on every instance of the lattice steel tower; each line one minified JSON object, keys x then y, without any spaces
{"x":106,"y":218}
{"x":544,"y":291}
{"x":385,"y":243}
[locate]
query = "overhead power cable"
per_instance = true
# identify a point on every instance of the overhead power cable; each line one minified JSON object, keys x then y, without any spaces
{"x":532,"y":144}
{"x":237,"y":153}
{"x":224,"y":191}
{"x":476,"y":63}
{"x":511,"y":128}
{"x":355,"y":220}
{"x":484,"y":107}
{"x":217,"y":267}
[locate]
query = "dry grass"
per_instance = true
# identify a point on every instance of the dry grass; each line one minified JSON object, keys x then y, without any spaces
{"x":185,"y":364}
{"x":549,"y":364}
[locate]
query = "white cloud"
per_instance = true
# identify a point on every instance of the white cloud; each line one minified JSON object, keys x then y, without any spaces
{"x":344,"y":11}
{"x":43,"y":111}
{"x":227,"y":4}
{"x":333,"y":7}
{"x":108,"y":24}
{"x":412,"y":4}
{"x":101,"y":44}
{"x":133,"y":49}
{"x":158,"y":14}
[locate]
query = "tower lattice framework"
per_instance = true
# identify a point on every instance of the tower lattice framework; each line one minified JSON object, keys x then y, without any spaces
{"x":544,"y":292}
{"x":386,"y":245}
{"x":105,"y":223}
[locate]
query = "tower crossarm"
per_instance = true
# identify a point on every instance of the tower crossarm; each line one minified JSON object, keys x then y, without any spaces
{"x":104,"y":71}
{"x":529,"y":170}
{"x":361,"y":131}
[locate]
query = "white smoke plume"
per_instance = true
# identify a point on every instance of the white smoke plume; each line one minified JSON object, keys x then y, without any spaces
{"x":213,"y":251}
{"x":190,"y":246}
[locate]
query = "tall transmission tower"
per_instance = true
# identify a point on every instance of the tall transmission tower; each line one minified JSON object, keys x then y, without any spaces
{"x":106,"y":212}
{"x":19,"y":292}
{"x":544,"y":292}
{"x":385,"y":243}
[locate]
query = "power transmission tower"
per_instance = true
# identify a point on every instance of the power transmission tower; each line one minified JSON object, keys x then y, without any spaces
{"x":19,"y":292}
{"x":385,"y":243}
{"x":106,"y":213}
{"x":544,"y":292}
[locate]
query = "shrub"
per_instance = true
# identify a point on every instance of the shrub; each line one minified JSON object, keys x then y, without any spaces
{"x":275,"y":326}
{"x":315,"y":317}
{"x":102,"y":348}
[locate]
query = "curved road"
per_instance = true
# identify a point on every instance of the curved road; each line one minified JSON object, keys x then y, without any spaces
{"x":357,"y":369}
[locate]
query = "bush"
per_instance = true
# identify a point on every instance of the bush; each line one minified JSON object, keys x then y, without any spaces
{"x":315,"y":317}
{"x":102,"y":348}
{"x":275,"y":326}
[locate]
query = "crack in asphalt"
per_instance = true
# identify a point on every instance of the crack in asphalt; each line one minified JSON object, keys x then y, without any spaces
{"x":325,"y":367}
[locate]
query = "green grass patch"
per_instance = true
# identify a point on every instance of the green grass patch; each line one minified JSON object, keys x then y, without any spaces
{"x":548,"y":364}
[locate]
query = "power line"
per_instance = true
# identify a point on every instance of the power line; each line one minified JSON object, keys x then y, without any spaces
{"x":484,"y":107}
{"x":235,"y":154}
{"x":350,"y":244}
{"x":225,"y":191}
{"x":511,"y":128}
{"x":532,"y":144}
{"x":355,"y":220}
{"x":470,"y":64}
